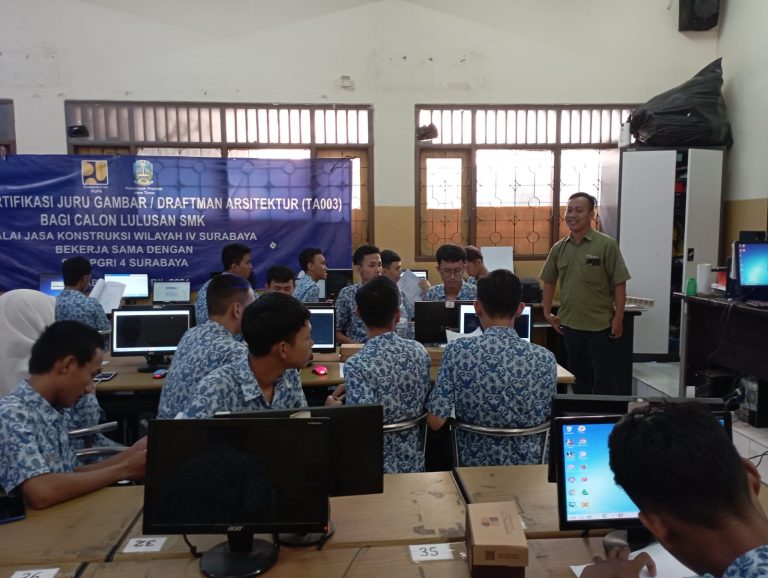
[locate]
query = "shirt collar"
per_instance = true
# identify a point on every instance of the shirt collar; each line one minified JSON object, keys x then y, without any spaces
{"x":30,"y":396}
{"x":588,"y":236}
{"x":250,"y":386}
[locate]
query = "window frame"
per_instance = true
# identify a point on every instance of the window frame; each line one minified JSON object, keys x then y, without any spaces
{"x":422,"y":151}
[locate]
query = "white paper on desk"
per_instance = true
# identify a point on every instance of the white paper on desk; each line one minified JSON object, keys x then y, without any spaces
{"x":109,"y":294}
{"x":409,"y":285}
{"x":667,"y":565}
{"x":454,"y":335}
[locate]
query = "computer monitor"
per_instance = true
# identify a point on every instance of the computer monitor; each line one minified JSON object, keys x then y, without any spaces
{"x":171,"y":292}
{"x":576,"y":405}
{"x":336,"y":280}
{"x":323,"y":320}
{"x":356,"y":435}
{"x":753,"y":267}
{"x":237,"y":477}
{"x":432,"y":318}
{"x":587,"y":495}
{"x":468,"y":321}
{"x":136,"y":284}
{"x":149,"y":331}
{"x":51,"y":283}
{"x":420,"y":273}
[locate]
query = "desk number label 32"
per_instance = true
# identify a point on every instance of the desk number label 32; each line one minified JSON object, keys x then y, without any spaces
{"x":144,"y":545}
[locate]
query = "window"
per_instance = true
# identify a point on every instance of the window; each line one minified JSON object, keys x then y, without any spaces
{"x":237,"y":131}
{"x":493,"y":176}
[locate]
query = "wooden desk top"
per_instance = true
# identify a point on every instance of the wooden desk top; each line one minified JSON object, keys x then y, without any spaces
{"x":423,"y":508}
{"x":526,"y":485}
{"x":66,"y":570}
{"x":548,"y":559}
{"x":81,"y":530}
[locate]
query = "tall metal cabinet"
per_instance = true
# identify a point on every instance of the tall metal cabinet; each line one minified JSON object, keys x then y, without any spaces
{"x":665,"y":210}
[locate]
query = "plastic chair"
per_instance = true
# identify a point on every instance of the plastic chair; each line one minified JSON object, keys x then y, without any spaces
{"x":542,"y":428}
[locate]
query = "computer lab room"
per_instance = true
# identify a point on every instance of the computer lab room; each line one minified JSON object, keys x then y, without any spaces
{"x":372,"y":288}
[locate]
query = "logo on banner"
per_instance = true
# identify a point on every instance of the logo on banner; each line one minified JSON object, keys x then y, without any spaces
{"x":94,"y":173}
{"x":143,"y":173}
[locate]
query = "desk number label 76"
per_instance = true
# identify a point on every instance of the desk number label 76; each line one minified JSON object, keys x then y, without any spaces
{"x":144,"y":545}
{"x":431,"y":552}
{"x":43,"y":573}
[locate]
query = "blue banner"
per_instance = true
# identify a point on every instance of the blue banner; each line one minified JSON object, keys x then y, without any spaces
{"x":169,"y":217}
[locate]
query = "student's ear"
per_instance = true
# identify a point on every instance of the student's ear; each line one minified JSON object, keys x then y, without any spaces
{"x":65,"y":364}
{"x":656,"y":526}
{"x":479,"y":308}
{"x":519,"y":311}
{"x":753,"y":476}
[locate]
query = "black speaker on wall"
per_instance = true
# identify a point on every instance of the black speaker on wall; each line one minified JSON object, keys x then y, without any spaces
{"x":698,"y":14}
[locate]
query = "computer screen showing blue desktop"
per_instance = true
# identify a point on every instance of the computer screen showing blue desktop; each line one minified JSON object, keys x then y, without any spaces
{"x":136,"y":284}
{"x":51,"y":283}
{"x":753,"y":264}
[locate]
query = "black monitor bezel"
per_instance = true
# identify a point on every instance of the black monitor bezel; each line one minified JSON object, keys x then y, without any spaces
{"x":144,"y":295}
{"x":558,"y":442}
{"x":357,"y":459}
{"x":451,"y":314}
{"x":188,"y":309}
{"x":348,"y":276}
{"x":151,"y":526}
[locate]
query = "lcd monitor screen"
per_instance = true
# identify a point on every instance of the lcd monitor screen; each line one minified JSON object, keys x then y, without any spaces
{"x":336,"y":280}
{"x":136,"y":284}
{"x":753,"y":264}
{"x":323,"y":323}
{"x":171,"y":291}
{"x":51,"y":284}
{"x":148,"y":331}
{"x":210,"y":476}
{"x":468,"y":321}
{"x":432,"y":318}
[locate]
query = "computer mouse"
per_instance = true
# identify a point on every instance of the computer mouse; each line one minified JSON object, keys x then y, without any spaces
{"x":159,"y":374}
{"x":319,"y":370}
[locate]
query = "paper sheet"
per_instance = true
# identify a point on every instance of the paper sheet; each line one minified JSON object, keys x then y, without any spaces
{"x":498,"y":258}
{"x":108,"y":293}
{"x":454,"y":335}
{"x":667,"y":566}
{"x":409,"y":285}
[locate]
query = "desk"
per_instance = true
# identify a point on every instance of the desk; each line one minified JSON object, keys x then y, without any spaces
{"x":526,"y":485}
{"x":423,"y":508}
{"x":548,"y":559}
{"x":724,"y":334}
{"x":85,"y":529}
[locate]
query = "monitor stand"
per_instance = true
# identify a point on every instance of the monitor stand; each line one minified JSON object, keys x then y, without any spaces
{"x":310,"y":539}
{"x":155,"y":361}
{"x":240,"y":556}
{"x":632,"y":538}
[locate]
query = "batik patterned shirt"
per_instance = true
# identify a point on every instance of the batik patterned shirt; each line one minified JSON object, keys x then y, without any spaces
{"x":752,"y":564}
{"x":393,"y":372}
{"x":498,"y":380}
{"x":203,"y":349}
{"x":201,"y":305}
{"x":233,"y":387}
{"x":437,"y":292}
{"x":72,"y":305}
{"x":346,"y":320}
{"x":33,"y":437}
{"x":307,"y":290}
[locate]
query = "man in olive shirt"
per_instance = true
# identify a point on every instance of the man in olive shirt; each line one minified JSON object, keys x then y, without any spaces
{"x":593,"y":280}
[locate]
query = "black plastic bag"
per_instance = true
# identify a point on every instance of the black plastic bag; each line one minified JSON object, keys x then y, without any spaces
{"x":692,"y":114}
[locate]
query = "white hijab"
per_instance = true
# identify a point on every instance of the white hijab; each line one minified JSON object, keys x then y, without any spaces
{"x":24,"y":314}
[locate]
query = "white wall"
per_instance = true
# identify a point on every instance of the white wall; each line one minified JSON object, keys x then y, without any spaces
{"x":743,"y":45}
{"x":398,"y":52}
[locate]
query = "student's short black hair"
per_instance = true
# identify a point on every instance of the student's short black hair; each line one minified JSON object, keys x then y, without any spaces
{"x":280,"y":273}
{"x":223,"y":290}
{"x":499,"y":293}
{"x":362,"y":252}
{"x":592,"y":200}
{"x":75,"y":269}
{"x":233,"y":253}
{"x":388,"y":257}
{"x":306,"y":256}
{"x":450,"y":254}
{"x":378,"y":301}
{"x":677,"y":459}
{"x":61,"y":339}
{"x":273,"y":318}
{"x":473,"y":254}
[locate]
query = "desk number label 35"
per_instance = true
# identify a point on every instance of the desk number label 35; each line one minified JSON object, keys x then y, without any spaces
{"x":431,"y":552}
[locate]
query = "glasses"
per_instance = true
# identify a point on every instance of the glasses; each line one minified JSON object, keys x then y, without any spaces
{"x":452,"y":272}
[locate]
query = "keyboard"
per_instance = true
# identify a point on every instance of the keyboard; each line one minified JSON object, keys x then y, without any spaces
{"x":758,"y":303}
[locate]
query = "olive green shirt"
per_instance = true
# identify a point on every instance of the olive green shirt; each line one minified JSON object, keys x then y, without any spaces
{"x":588,"y":272}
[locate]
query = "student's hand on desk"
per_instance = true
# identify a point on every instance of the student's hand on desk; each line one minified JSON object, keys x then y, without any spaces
{"x":554,"y":321}
{"x":617,"y":565}
{"x":134,"y":463}
{"x":333,"y":400}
